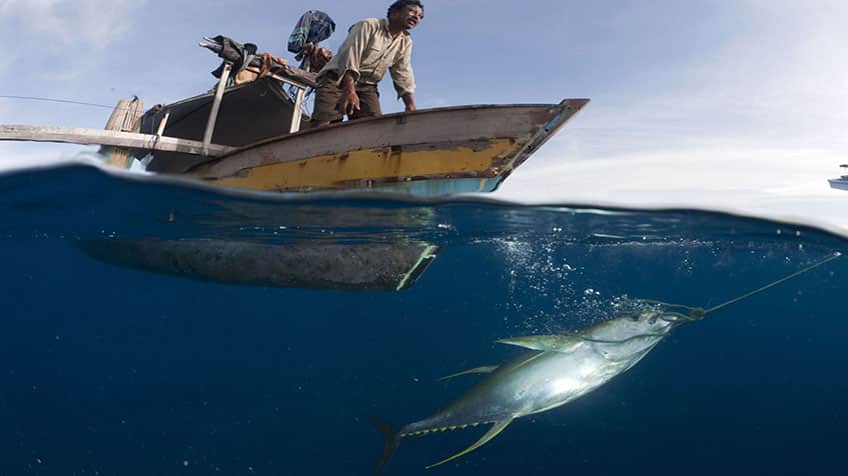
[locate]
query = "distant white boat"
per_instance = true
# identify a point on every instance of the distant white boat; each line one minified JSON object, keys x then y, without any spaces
{"x":841,"y":182}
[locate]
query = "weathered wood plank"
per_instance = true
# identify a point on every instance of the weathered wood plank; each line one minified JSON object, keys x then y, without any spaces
{"x":126,"y":118}
{"x":445,"y":128}
{"x":73,"y":135}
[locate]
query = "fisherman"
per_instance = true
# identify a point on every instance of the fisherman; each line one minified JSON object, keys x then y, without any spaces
{"x":347,"y":85}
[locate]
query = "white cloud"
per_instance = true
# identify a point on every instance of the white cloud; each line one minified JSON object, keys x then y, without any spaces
{"x":89,"y":23}
{"x":755,"y":126}
{"x":60,"y":29}
{"x":781,"y":80}
{"x":772,"y":77}
{"x":772,"y":183}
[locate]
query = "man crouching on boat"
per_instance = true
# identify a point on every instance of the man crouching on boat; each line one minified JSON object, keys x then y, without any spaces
{"x":347,"y":85}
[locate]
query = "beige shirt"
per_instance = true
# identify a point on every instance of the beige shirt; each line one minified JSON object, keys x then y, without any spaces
{"x":368,"y":51}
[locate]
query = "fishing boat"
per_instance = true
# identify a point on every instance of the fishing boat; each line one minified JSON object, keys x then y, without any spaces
{"x":254,"y":135}
{"x":251,"y":132}
{"x":841,"y":182}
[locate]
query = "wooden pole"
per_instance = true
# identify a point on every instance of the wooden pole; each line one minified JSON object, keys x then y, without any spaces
{"x":298,"y":111}
{"x":216,"y":104}
{"x":118,"y":139}
{"x":126,"y":117}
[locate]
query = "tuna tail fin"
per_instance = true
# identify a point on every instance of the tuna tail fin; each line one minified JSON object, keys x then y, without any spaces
{"x":392,"y":442}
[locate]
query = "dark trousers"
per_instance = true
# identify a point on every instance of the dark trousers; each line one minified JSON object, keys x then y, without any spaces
{"x":327,"y":97}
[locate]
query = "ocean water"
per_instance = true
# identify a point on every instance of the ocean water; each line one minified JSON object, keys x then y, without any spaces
{"x":154,"y":328}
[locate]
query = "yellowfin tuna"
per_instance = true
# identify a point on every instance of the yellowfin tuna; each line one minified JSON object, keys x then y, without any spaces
{"x":555,"y":370}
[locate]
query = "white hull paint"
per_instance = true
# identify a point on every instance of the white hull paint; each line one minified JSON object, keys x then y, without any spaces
{"x":840,"y":183}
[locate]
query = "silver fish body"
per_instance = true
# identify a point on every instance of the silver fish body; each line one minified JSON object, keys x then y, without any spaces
{"x":556,"y":370}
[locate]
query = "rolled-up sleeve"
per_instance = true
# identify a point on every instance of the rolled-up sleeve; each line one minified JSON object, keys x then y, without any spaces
{"x":402,"y":75}
{"x":349,"y":56}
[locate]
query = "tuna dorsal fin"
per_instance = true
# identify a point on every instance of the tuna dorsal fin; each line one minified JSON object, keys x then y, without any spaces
{"x":493,"y":432}
{"x":477,"y":370}
{"x":549,"y":343}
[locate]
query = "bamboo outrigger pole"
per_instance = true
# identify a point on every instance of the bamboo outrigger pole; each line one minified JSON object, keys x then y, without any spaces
{"x":132,"y":140}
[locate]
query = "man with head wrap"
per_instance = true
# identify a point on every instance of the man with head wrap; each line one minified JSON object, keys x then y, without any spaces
{"x":347,"y":85}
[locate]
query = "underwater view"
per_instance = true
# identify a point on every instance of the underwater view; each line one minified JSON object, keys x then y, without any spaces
{"x":150,"y":327}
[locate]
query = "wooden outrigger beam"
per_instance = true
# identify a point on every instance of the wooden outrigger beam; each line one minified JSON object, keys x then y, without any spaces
{"x":132,"y":140}
{"x":123,"y":123}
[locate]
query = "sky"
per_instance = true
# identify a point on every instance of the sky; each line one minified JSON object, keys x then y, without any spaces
{"x":731,"y":105}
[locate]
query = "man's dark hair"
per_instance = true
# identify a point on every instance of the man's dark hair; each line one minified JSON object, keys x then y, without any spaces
{"x":402,"y":3}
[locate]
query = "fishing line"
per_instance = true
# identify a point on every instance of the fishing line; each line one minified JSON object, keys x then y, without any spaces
{"x":775,"y":283}
{"x":697,"y":313}
{"x":65,"y":101}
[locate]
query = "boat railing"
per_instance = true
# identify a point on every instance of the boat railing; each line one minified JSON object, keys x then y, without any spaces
{"x":123,"y":128}
{"x":294,"y":77}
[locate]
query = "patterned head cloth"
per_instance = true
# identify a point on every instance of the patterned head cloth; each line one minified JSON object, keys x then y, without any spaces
{"x":313,"y":27}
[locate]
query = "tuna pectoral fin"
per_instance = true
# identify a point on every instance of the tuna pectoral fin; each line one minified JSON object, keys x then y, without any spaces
{"x":392,"y":441}
{"x":493,"y":432}
{"x":551,"y":343}
{"x":477,"y":370}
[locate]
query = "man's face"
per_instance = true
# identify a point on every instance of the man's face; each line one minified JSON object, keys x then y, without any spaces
{"x":407,"y":17}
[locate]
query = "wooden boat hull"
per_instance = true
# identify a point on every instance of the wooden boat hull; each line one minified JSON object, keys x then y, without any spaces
{"x":424,"y":153}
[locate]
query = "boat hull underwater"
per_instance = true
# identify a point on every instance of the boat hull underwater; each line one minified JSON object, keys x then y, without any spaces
{"x":363,"y":267}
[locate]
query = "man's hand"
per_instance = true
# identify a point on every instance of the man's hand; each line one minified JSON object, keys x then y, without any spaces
{"x":409,"y":102}
{"x":349,"y":102}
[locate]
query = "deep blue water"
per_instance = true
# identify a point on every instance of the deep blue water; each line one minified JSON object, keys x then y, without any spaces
{"x":109,"y":369}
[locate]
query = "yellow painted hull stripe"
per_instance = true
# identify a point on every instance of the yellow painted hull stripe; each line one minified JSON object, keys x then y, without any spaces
{"x":332,"y":171}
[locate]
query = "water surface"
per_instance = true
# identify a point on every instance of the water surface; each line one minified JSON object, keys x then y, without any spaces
{"x":110,"y":366}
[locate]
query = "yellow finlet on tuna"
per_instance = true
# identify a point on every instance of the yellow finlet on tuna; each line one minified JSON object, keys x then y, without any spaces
{"x":493,"y":432}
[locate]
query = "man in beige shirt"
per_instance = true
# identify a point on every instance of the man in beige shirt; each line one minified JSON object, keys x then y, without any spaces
{"x":347,"y":85}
